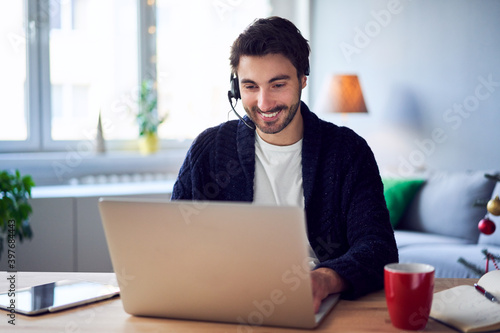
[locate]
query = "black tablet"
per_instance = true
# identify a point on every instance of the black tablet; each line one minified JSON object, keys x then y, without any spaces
{"x":55,"y":296}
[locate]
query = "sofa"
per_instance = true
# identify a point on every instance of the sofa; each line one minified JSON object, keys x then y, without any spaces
{"x":435,"y":219}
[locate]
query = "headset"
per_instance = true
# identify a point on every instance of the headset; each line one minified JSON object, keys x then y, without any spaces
{"x":235,"y":87}
{"x":235,"y":93}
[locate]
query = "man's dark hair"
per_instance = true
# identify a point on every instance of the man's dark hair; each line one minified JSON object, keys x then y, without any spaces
{"x":273,"y":35}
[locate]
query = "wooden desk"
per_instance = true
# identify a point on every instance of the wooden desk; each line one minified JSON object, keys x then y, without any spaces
{"x":367,"y":314}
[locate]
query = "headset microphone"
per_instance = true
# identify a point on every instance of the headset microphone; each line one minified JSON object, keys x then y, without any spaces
{"x":235,"y":93}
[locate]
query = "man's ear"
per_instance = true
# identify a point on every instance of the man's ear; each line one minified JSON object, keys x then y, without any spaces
{"x":303,"y":81}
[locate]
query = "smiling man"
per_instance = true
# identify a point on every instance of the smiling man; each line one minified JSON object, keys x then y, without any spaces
{"x":283,"y":154}
{"x":270,"y":92}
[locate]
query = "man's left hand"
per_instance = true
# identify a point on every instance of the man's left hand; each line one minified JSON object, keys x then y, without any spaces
{"x":325,"y":281}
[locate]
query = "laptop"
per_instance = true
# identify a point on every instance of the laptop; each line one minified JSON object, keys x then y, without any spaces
{"x":212,"y":261}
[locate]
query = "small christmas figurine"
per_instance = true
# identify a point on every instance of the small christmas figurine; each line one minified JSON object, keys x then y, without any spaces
{"x":100,"y":147}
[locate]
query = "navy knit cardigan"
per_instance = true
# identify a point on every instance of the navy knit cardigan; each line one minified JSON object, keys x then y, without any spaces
{"x":347,"y":218}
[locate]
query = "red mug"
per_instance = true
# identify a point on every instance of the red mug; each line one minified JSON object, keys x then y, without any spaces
{"x":408,"y":292}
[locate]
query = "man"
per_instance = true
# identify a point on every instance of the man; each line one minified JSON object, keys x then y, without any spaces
{"x":294,"y":158}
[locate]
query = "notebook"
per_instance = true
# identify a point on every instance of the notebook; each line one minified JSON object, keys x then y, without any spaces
{"x":467,"y":309}
{"x":211,"y":261}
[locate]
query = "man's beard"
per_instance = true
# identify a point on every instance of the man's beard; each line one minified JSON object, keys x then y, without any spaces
{"x":273,"y":127}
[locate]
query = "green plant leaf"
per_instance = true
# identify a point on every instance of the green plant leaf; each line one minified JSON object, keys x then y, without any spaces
{"x":14,"y":205}
{"x":147,"y":115}
{"x":28,"y":183}
{"x":26,"y":229}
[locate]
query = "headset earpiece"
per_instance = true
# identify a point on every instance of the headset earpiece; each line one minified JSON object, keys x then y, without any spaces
{"x":235,"y":87}
{"x":235,"y":93}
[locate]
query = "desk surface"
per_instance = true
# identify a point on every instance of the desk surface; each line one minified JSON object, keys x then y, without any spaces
{"x":367,"y":314}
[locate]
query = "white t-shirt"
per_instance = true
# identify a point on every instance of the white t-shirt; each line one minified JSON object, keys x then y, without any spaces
{"x":278,"y":174}
{"x":278,"y":177}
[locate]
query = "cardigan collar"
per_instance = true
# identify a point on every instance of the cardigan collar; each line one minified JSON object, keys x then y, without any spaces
{"x":311,"y":146}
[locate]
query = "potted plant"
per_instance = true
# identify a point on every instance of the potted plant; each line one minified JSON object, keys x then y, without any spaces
{"x":147,"y":118}
{"x":15,"y":208}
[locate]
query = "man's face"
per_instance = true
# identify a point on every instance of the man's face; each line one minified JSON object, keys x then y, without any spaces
{"x":270,"y":94}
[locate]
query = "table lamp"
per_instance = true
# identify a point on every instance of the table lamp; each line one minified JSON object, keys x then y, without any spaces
{"x":345,"y":95}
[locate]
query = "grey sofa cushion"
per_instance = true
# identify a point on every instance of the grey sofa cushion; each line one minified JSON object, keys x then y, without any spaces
{"x":444,"y":205}
{"x":494,"y":238}
{"x":444,"y":258}
{"x":409,"y":238}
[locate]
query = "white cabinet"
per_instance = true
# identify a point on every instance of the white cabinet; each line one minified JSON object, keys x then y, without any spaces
{"x":67,"y":231}
{"x":52,"y":246}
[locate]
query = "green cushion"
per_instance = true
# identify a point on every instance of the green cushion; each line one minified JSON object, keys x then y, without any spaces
{"x":398,"y":195}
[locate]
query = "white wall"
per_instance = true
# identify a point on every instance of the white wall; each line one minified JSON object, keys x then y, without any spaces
{"x":418,"y":62}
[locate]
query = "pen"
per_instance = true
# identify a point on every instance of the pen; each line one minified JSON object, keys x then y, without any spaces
{"x":485,"y":293}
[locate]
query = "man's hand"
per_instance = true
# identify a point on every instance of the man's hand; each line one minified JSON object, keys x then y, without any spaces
{"x":325,"y":281}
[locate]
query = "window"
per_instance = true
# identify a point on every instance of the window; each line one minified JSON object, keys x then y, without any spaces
{"x":93,"y":62}
{"x":65,"y":61}
{"x":82,"y":58}
{"x":13,"y":116}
